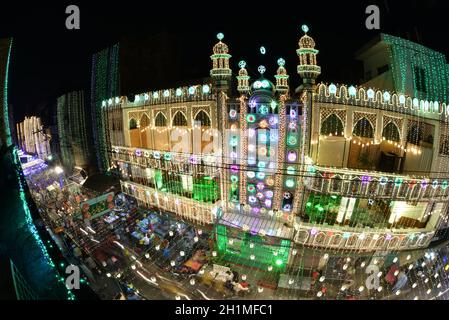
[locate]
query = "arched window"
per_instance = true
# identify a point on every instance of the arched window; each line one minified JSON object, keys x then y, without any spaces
{"x":144,"y":121}
{"x":132,"y":124}
{"x":161,"y":120}
{"x":391,"y":132}
{"x":332,"y":125}
{"x":363,"y":128}
{"x":179,"y":120}
{"x":203,"y":118}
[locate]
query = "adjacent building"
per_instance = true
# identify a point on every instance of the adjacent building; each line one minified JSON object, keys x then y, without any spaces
{"x":33,"y":138}
{"x":74,"y":131}
{"x":123,"y":69}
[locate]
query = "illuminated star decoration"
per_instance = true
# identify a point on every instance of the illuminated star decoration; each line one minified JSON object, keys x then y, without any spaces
{"x":261,"y":70}
{"x":305,"y":28}
{"x":220,"y":36}
{"x":263,"y":50}
{"x":242,"y":64}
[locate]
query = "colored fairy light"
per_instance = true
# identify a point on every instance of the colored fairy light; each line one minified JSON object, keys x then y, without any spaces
{"x":366,"y":179}
{"x":234,"y":168}
{"x":398,"y":182}
{"x":260,"y":175}
{"x":263,"y":50}
{"x":289,"y":183}
{"x":261,"y":69}
{"x":250,"y":118}
{"x":250,"y":174}
{"x":193,"y":159}
{"x":192,"y":90}
{"x":178,"y":92}
{"x":269,"y":194}
{"x":242,"y":64}
{"x":291,"y":156}
{"x":263,"y":109}
{"x":313,"y":231}
{"x":424,"y":184}
{"x":273,"y":120}
{"x":233,"y":113}
{"x":305,"y":28}
{"x":292,"y":140}
{"x":166,"y":93}
{"x":352,"y":91}
{"x":263,"y":124}
{"x":206,"y":89}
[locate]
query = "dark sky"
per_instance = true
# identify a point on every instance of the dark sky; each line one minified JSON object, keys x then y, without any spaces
{"x":49,"y":60}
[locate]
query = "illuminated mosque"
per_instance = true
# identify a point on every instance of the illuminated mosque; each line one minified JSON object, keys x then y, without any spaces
{"x":346,"y":167}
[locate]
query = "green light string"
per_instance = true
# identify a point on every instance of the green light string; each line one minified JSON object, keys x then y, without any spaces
{"x":404,"y":53}
{"x":17,"y":163}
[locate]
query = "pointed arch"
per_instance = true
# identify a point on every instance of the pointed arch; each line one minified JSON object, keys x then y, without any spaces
{"x":332,"y":125}
{"x":363,"y":128}
{"x":179,"y":119}
{"x":160,"y":120}
{"x":144,"y":120}
{"x":203,"y":118}
{"x":144,"y":126}
{"x":391,"y":132}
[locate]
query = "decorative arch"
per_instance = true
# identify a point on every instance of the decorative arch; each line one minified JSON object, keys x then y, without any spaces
{"x":179,"y":119}
{"x":143,"y":132}
{"x":144,"y":120}
{"x":391,"y":132}
{"x":132,"y":124}
{"x":202,"y":117}
{"x":160,"y":120}
{"x":332,"y":125}
{"x":363,"y":128}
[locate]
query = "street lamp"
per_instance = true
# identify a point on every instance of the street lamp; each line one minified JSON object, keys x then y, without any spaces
{"x":59,"y":170}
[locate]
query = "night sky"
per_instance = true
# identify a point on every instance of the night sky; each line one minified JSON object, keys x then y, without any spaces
{"x":49,"y":60}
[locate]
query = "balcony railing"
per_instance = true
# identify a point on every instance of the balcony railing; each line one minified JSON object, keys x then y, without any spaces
{"x":361,"y":240}
{"x":189,"y":209}
{"x":171,"y":161}
{"x":355,"y":183}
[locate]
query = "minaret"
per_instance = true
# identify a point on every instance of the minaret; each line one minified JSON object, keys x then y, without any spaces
{"x":307,"y":68}
{"x":243,"y":79}
{"x":221,"y":73}
{"x":281,"y":78}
